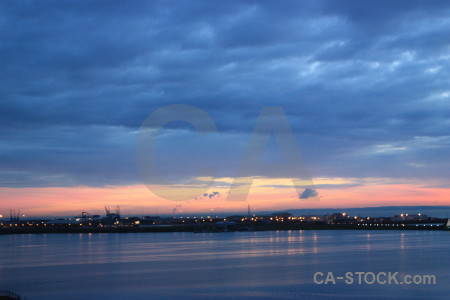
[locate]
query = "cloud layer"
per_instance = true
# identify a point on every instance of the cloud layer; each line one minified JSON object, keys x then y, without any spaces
{"x":363,"y":84}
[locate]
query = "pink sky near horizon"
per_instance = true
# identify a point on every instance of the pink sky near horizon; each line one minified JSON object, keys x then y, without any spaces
{"x":137,"y":199}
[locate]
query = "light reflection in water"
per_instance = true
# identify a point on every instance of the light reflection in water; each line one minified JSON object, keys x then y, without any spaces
{"x":402,"y":241}
{"x":266,"y":264}
{"x":368,"y":243}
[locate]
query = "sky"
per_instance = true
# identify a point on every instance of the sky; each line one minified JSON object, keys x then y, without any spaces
{"x":360,"y":92}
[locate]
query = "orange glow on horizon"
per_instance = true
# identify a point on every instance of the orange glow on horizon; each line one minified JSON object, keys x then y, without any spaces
{"x":137,"y":199}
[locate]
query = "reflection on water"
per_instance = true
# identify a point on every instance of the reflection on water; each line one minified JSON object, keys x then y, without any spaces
{"x":269,"y":265}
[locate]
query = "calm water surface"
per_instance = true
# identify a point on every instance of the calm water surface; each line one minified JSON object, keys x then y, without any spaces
{"x":239,"y":265}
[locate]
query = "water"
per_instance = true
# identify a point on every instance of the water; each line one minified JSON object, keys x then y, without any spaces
{"x":239,"y":265}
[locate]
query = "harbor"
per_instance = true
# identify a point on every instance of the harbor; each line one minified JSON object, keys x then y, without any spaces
{"x":113,"y":222}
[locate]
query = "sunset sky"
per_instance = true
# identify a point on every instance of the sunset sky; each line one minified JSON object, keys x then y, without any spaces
{"x":362,"y":85}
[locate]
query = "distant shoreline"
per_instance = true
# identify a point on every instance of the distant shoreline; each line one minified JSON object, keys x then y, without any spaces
{"x":214,"y":228}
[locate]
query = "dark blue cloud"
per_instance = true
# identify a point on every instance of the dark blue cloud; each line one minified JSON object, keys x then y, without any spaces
{"x":364,"y":85}
{"x":308,"y":193}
